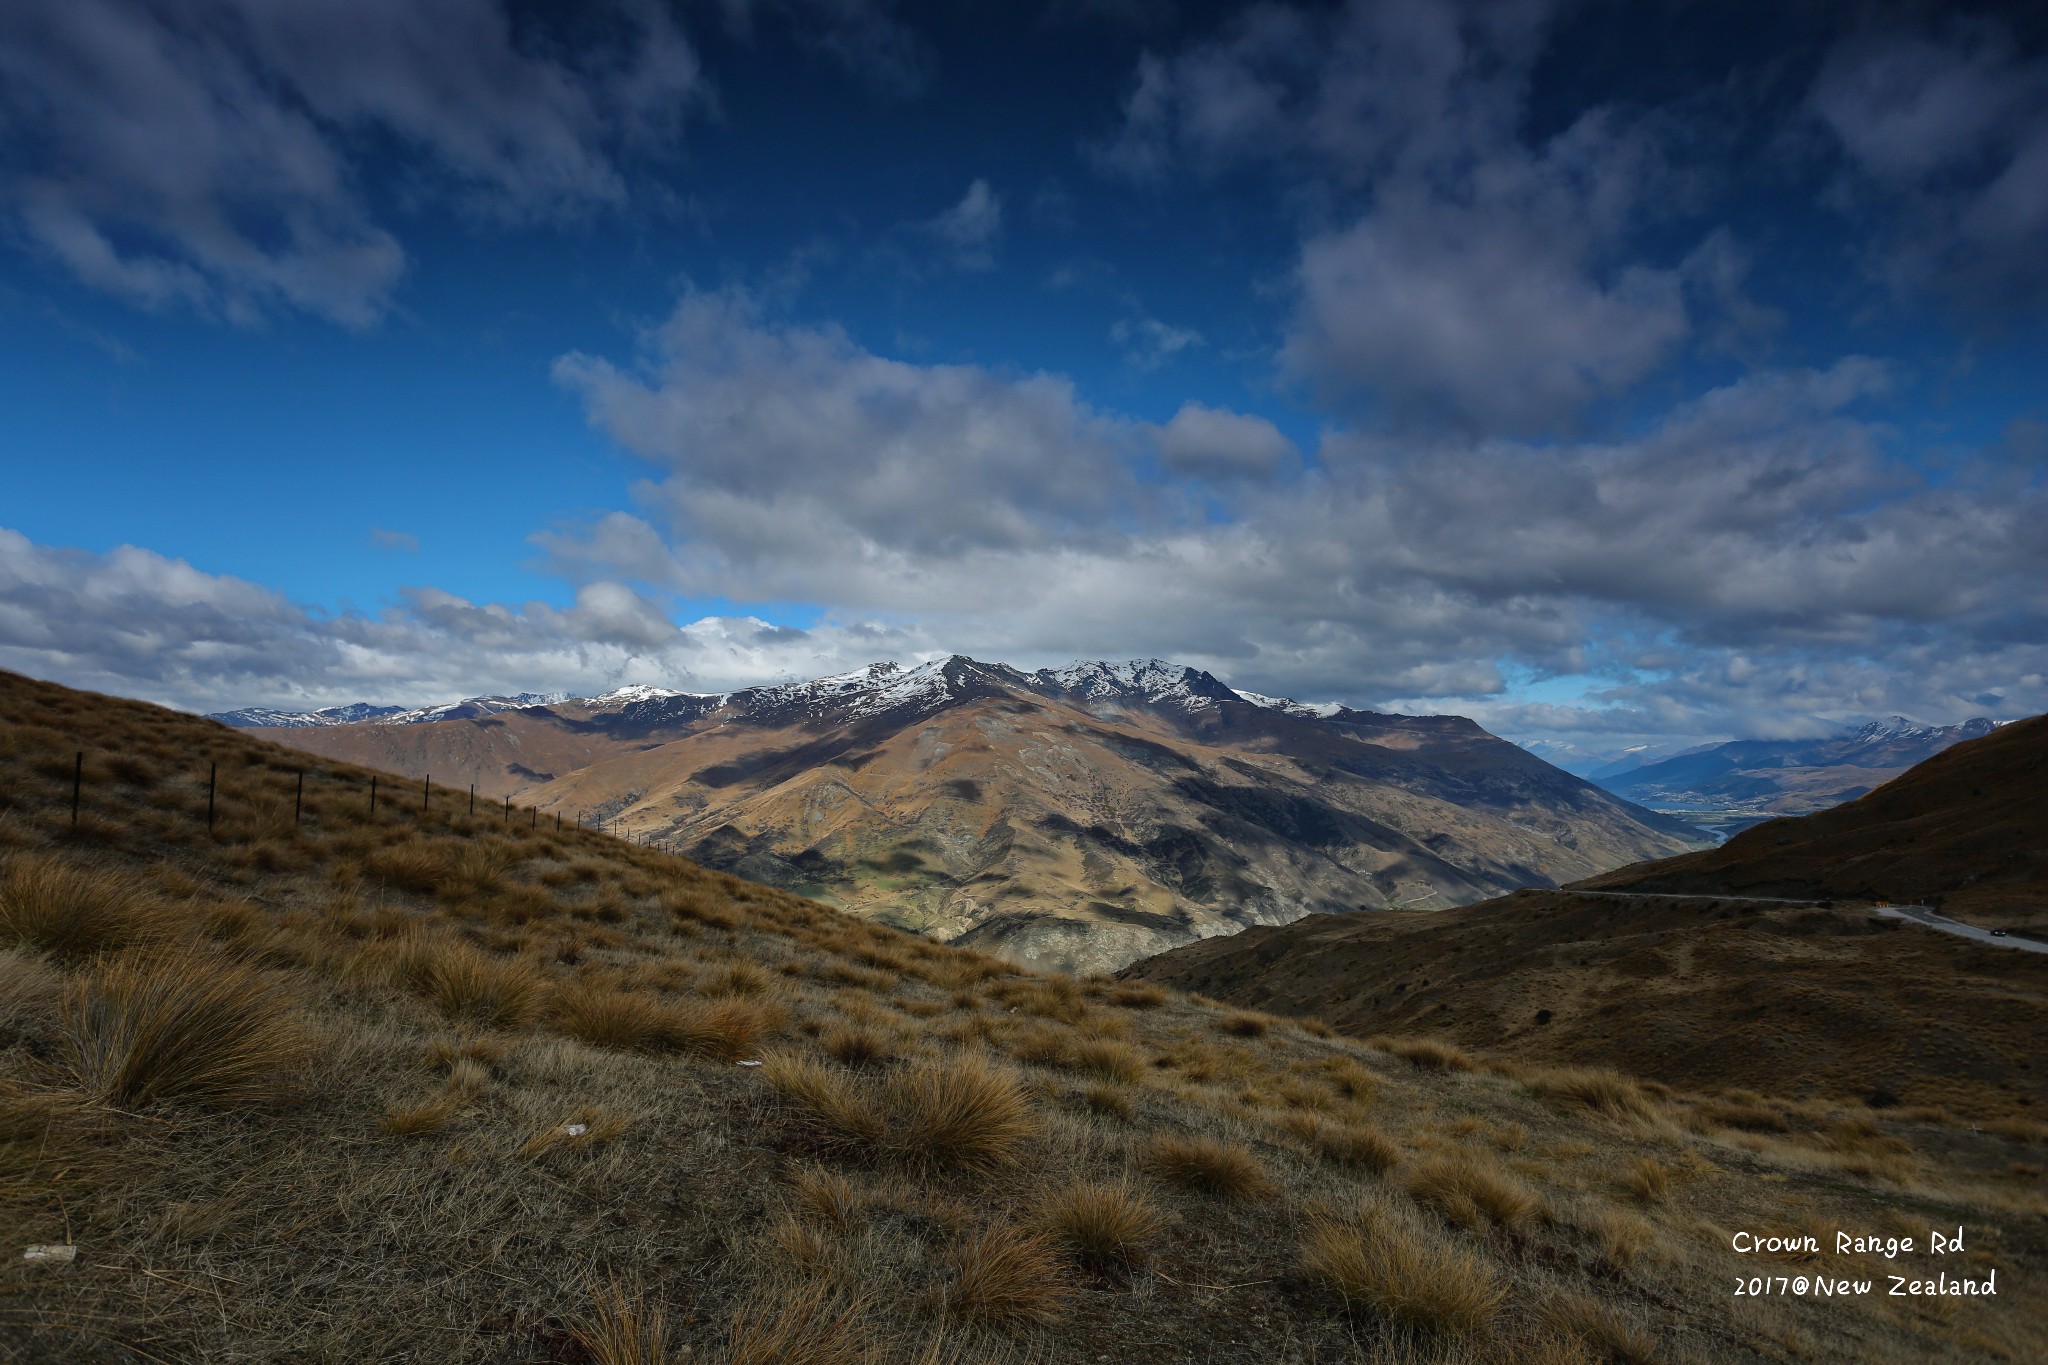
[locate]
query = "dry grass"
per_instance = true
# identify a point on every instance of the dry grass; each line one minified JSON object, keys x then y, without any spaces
{"x":1595,"y":1088}
{"x":1402,"y":1274}
{"x":1226,"y":1170}
{"x":184,"y":1027}
{"x":1429,"y":1054}
{"x":1355,"y":1146}
{"x":792,"y":1324}
{"x":1103,"y":1226}
{"x":962,"y":1111}
{"x":1471,"y":1191}
{"x":474,"y":988}
{"x":1647,"y":1180}
{"x":621,"y":1329}
{"x":73,"y":912}
{"x":1006,"y":1277}
{"x":601,"y":1017}
{"x":1612,"y":1335}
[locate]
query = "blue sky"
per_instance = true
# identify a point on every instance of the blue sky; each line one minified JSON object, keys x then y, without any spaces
{"x":1607,"y":372}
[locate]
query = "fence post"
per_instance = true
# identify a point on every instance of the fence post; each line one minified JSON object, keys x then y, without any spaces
{"x":212,"y":775}
{"x":533,"y":821}
{"x":373,"y":796}
{"x":299,"y":801}
{"x":77,"y":781}
{"x":426,"y":790}
{"x":472,"y":798}
{"x":508,"y":809}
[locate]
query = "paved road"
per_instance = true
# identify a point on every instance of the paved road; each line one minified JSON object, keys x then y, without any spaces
{"x":1917,"y":914}
{"x":1921,"y":914}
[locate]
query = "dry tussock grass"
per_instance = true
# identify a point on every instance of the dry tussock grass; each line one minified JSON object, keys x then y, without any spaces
{"x":1103,"y":1226}
{"x":188,"y":1027}
{"x":1227,"y":1170}
{"x":792,"y":1324}
{"x":73,"y":912}
{"x":1404,"y":1274}
{"x":1427,"y":1054}
{"x":1596,"y":1088}
{"x":1471,"y":1191}
{"x":622,"y":1328}
{"x":474,"y":988}
{"x":1005,"y":1276}
{"x":1615,"y":1337}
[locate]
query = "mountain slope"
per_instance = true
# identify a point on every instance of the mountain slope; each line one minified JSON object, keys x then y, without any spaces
{"x":1079,"y":817}
{"x":1699,"y":991}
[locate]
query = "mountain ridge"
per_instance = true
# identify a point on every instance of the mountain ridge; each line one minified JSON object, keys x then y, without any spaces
{"x":1077,"y":817}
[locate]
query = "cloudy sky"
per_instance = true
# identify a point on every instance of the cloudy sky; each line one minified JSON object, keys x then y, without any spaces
{"x":1605,"y":371}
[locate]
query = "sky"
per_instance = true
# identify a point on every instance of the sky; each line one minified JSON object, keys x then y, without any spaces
{"x":1611,"y":373}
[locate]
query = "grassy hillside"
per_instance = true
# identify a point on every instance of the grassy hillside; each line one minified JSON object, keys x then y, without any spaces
{"x":421,"y":1085}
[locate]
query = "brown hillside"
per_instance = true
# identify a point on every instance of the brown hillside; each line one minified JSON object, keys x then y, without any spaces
{"x":332,"y":1085}
{"x":1781,"y":999}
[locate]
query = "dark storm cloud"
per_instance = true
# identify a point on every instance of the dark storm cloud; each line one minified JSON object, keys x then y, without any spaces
{"x":200,"y":154}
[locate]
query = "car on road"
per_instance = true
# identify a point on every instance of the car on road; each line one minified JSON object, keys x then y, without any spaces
{"x":1998,"y":933}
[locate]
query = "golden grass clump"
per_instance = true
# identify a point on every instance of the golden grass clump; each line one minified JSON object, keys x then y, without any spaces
{"x":1356,"y":1146}
{"x":1595,"y":1088}
{"x":1471,"y":1191}
{"x":790,"y":1323}
{"x":1103,"y":1226}
{"x":831,"y":1102}
{"x":1614,"y":1337}
{"x":477,"y":988}
{"x":422,"y":1117}
{"x":962,"y":1111}
{"x":620,"y":1329}
{"x":1647,"y":1180}
{"x":726,"y":1029}
{"x":1429,"y":1054}
{"x":1226,"y":1170}
{"x":1005,"y":1277}
{"x":625,"y":1020}
{"x":73,"y":912}
{"x":182,"y":1027}
{"x":1420,"y":1283}
{"x":853,"y":1045}
{"x":1244,"y":1025}
{"x":1137,"y":995}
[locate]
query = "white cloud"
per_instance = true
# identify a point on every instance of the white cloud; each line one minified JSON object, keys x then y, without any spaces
{"x":200,"y":155}
{"x":970,"y":229}
{"x":1149,"y":343}
{"x":1214,"y":443}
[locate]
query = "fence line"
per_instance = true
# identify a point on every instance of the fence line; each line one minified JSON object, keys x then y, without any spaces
{"x":299,"y":802}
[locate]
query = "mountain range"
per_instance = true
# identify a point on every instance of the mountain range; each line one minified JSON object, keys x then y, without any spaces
{"x":1729,"y":787}
{"x":1080,"y":817}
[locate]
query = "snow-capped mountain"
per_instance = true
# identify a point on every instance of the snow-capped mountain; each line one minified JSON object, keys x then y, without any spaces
{"x":269,"y":717}
{"x":1074,"y":817}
